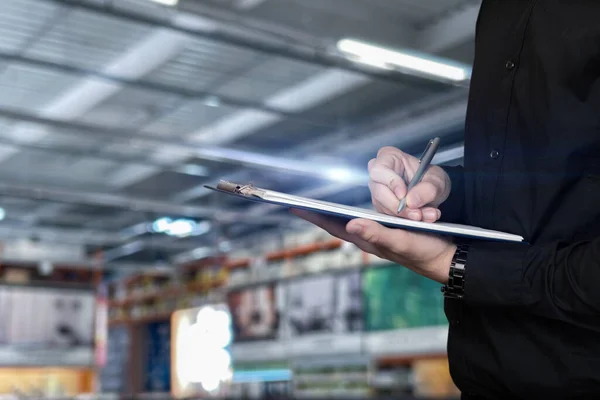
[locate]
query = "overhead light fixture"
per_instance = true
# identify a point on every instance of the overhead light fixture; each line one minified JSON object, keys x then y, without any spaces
{"x":169,"y":3}
{"x":180,"y":227}
{"x":390,"y":59}
{"x":161,"y":225}
{"x":2,"y":214}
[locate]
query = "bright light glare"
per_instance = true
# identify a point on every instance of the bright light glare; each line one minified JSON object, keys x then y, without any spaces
{"x":384,"y":58}
{"x":161,"y":225}
{"x":166,"y":2}
{"x":2,"y":214}
{"x":201,"y":349}
{"x":339,"y":174}
{"x":181,"y":227}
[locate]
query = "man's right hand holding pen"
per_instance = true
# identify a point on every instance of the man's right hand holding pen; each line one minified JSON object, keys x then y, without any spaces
{"x":389,"y":176}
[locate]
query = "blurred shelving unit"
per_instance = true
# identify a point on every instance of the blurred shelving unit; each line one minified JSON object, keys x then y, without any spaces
{"x":384,"y":355}
{"x":56,"y":300}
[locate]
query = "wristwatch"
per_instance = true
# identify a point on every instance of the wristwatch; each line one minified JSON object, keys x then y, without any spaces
{"x":455,"y":289}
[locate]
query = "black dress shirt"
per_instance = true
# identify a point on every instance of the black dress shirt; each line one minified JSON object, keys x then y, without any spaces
{"x":529,"y":325}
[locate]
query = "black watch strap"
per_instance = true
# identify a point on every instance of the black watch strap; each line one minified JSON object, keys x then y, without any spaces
{"x":455,"y":289}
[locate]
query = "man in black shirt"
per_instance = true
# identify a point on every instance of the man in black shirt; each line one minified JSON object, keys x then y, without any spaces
{"x":524,"y":317}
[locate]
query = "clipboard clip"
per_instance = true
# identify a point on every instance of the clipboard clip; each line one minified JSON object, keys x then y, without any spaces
{"x":244,"y":190}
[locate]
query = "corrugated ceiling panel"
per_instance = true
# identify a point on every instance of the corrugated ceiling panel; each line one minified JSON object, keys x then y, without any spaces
{"x":22,"y":20}
{"x":417,"y":11}
{"x":131,"y":149}
{"x":49,"y":169}
{"x":86,"y":167}
{"x":88,"y":40}
{"x":204,"y":64}
{"x":267,"y":78}
{"x":31,"y":88}
{"x":315,"y":13}
{"x":63,"y":139}
{"x":163,"y":185}
{"x":188,"y":118}
{"x":131,"y":108}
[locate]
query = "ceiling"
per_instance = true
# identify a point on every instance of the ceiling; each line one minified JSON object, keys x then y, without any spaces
{"x":116,"y":113}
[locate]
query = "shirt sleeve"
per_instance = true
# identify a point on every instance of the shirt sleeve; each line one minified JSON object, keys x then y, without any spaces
{"x":558,"y":280}
{"x":453,"y":209}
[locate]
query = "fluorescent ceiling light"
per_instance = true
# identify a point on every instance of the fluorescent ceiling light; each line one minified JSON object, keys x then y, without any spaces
{"x":181,"y":227}
{"x":166,"y":2}
{"x":386,"y":58}
{"x":339,"y":174}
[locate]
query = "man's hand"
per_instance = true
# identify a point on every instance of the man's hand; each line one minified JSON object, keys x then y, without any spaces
{"x":390,"y":174}
{"x":427,"y":255}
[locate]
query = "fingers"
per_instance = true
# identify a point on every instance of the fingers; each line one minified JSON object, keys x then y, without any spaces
{"x":430,"y":214}
{"x":387,"y":184}
{"x":384,"y":200}
{"x":387,"y":169}
{"x":392,"y":240}
{"x":336,"y":228}
{"x":386,"y":203}
{"x":331,"y":225}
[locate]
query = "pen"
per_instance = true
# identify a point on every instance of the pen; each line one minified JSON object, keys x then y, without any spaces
{"x":424,"y":163}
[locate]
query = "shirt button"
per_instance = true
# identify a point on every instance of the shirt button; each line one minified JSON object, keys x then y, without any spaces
{"x":494,"y":154}
{"x":510,"y":65}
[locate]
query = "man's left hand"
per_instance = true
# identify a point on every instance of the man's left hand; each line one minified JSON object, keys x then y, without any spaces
{"x":426,"y":254}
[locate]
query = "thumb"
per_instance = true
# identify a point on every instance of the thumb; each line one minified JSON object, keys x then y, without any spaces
{"x":394,"y":240}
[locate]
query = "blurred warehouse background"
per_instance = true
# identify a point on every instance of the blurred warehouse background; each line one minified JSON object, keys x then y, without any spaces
{"x":114,"y":114}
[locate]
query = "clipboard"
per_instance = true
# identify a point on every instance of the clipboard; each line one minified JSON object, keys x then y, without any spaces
{"x":252,"y":193}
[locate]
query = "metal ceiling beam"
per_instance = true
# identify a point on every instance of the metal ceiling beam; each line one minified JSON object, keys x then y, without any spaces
{"x":275,"y":46}
{"x":74,"y":151}
{"x":85,"y":264}
{"x":59,"y":235}
{"x":88,"y":237}
{"x":220,"y":154}
{"x":187,"y":94}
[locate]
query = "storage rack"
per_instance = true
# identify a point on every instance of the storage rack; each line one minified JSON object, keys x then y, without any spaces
{"x":204,"y":278}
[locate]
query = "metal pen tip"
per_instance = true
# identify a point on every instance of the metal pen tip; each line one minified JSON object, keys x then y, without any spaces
{"x":402,"y":205}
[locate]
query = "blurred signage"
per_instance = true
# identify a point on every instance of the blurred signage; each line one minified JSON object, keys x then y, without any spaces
{"x":46,"y":326}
